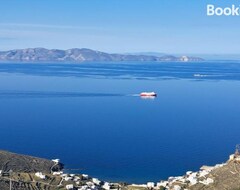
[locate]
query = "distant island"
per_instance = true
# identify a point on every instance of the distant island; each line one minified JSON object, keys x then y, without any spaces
{"x":83,"y":55}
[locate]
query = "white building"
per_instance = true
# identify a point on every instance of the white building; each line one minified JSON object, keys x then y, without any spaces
{"x":203,"y":173}
{"x":57,"y":173}
{"x":40,"y":175}
{"x":207,"y":181}
{"x":162,"y":184}
{"x":96,"y":181}
{"x":85,"y":176}
{"x":69,"y":187}
{"x":76,"y":178}
{"x":106,"y":186}
{"x":67,"y":178}
{"x":176,"y":187}
{"x":85,"y":187}
{"x":150,"y":185}
{"x":140,"y":186}
{"x":192,"y":180}
{"x":56,"y":160}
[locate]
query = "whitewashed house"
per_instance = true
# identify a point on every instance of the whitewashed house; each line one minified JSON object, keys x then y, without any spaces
{"x":96,"y":181}
{"x":57,"y":173}
{"x":40,"y":175}
{"x":106,"y":186}
{"x":69,"y":187}
{"x":85,"y":176}
{"x":150,"y":185}
{"x":56,"y":160}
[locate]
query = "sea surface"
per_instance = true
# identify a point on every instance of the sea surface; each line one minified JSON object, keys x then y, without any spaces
{"x":90,"y":116}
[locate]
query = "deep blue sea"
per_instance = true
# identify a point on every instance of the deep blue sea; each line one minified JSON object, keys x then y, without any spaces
{"x":89,"y":116}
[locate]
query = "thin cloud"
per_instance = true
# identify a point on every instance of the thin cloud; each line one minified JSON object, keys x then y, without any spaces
{"x":17,"y":25}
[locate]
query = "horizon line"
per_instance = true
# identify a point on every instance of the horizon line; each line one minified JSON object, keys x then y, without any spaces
{"x":129,"y":52}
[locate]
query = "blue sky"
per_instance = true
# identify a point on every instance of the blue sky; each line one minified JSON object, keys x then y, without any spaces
{"x":169,"y":26}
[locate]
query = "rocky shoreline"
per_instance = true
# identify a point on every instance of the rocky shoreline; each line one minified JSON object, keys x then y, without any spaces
{"x":26,"y":172}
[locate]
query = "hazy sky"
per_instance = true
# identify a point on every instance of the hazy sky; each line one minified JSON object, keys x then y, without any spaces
{"x":169,"y":26}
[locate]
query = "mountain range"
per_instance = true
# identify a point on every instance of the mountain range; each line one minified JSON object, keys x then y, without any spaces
{"x":81,"y":55}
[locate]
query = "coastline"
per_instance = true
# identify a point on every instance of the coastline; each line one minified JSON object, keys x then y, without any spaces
{"x":225,"y":175}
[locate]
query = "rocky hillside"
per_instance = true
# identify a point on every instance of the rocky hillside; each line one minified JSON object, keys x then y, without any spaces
{"x":79,"y":55}
{"x":23,"y":163}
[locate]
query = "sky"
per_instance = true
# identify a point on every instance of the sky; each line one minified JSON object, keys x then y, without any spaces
{"x":119,"y":26}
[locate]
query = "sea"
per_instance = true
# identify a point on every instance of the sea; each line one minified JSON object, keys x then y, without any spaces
{"x":91,"y":117}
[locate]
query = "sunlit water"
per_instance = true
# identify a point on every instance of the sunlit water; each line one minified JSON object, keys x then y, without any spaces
{"x":90,"y":117}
